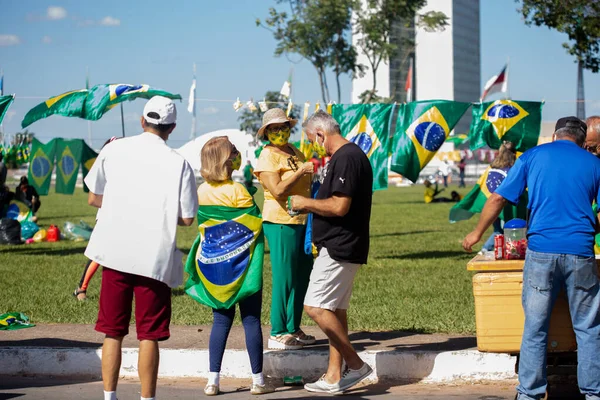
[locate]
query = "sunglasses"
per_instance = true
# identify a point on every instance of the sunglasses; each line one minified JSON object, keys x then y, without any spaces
{"x":272,"y":129}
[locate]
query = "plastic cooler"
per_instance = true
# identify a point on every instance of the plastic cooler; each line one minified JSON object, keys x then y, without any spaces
{"x":499,"y":318}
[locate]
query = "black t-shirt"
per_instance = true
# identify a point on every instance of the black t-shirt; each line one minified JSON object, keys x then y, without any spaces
{"x":346,"y":238}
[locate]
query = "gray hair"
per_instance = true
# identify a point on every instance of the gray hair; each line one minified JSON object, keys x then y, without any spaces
{"x":593,"y":123}
{"x":324,"y":121}
{"x":572,"y":132}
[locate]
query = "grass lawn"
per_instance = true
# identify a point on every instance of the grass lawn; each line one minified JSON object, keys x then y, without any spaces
{"x":415,"y":280}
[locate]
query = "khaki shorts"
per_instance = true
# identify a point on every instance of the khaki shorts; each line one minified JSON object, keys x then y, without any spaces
{"x":331,"y":283}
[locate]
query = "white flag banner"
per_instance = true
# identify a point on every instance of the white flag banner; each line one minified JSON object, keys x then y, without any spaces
{"x":192,"y":98}
{"x":263,"y":106}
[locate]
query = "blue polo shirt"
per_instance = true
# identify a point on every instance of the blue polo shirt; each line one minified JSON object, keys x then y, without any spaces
{"x":562,"y":180}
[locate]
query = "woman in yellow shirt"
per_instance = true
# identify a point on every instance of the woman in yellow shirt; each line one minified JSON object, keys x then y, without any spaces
{"x":282,"y":172}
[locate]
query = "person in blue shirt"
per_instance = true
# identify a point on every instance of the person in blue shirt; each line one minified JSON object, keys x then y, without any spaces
{"x":562,"y":180}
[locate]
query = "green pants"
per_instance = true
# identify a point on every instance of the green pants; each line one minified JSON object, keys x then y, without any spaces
{"x":291,"y":269}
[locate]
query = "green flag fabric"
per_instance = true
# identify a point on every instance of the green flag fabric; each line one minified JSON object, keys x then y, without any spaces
{"x":368,"y":125}
{"x":474,"y":201}
{"x":41,"y":165}
{"x":422,"y":128}
{"x":5,"y":102}
{"x":225,"y":262}
{"x":68,"y":159}
{"x":92,"y":104}
{"x":13,"y":321}
{"x":515,"y":121}
{"x":88,"y":156}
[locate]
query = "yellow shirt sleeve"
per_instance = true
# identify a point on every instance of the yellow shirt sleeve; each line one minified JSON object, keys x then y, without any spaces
{"x":267,"y":162}
{"x":242,"y":199}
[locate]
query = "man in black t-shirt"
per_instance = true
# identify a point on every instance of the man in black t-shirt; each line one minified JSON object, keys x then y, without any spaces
{"x":341,"y":214}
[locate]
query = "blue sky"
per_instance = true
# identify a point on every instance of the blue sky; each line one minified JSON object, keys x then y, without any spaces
{"x":45,"y":47}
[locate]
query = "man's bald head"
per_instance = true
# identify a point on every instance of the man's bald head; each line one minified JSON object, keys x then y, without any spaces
{"x":592,"y":140}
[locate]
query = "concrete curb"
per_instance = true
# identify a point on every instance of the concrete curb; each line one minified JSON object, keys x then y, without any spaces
{"x":395,"y":365}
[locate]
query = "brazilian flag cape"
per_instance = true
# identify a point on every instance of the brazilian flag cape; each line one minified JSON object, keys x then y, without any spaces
{"x":226,"y":260}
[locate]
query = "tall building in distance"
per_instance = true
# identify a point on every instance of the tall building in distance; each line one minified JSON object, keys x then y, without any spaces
{"x":447,"y":64}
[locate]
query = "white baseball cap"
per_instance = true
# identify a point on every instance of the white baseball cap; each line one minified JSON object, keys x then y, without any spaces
{"x":160,"y":110}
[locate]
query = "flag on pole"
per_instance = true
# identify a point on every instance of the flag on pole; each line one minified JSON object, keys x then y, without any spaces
{"x":192,"y":99}
{"x":5,"y":102}
{"x":516,"y":121}
{"x":286,"y":89}
{"x":68,"y":160}
{"x":91,"y":104}
{"x":496,"y":84}
{"x":41,"y":165}
{"x":409,"y":86}
{"x":1,"y":82}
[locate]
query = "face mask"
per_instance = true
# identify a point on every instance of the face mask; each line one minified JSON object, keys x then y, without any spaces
{"x":279,"y":138}
{"x":319,"y":148}
{"x":236,"y":163}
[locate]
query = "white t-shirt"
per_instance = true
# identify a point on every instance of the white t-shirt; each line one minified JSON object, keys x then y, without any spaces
{"x":146,"y":186}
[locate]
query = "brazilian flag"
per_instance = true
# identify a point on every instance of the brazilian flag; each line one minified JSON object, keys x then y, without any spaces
{"x":41,"y":165}
{"x":474,"y":201}
{"x":92,"y":104}
{"x":226,"y":260}
{"x":368,"y":125}
{"x":516,"y":121}
{"x":422,"y":128}
{"x":5,"y":102}
{"x":68,"y":158}
{"x":88,"y":157}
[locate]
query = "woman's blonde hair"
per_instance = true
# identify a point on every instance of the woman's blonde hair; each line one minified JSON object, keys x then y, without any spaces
{"x":507,"y":155}
{"x":216,"y":165}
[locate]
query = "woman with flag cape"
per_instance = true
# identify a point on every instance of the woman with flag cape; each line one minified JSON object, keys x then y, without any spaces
{"x":226,"y":260}
{"x":487,"y":184}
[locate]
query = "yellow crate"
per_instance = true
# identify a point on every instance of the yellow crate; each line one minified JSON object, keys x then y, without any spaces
{"x":499,"y":317}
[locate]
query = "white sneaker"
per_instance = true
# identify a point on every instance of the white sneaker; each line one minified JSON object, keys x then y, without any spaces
{"x":211,"y":390}
{"x":321,"y":386}
{"x":352,"y":377}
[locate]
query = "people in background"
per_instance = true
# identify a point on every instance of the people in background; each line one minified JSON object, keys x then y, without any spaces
{"x":432,"y":192}
{"x":28,"y":195}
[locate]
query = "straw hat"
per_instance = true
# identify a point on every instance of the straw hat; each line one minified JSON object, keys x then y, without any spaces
{"x":274,"y":116}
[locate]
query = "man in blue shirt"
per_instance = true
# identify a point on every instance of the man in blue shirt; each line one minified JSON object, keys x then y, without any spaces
{"x":562,"y":180}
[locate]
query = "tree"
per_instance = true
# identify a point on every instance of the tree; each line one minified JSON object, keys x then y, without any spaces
{"x":318,"y":31}
{"x":250,"y":122}
{"x":375,"y":24}
{"x":579,"y":19}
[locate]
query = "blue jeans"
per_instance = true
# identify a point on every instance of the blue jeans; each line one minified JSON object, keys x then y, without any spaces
{"x":544,"y":274}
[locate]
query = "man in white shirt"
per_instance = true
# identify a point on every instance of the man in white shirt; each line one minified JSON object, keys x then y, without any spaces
{"x":145,"y":190}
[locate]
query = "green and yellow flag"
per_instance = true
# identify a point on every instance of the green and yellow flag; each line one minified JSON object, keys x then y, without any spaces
{"x":5,"y":102}
{"x":368,"y":125}
{"x":92,"y":104}
{"x":226,"y":261}
{"x":68,"y":159}
{"x":88,"y":157}
{"x":41,"y":165}
{"x":516,"y":121}
{"x":422,"y":128}
{"x":474,"y":201}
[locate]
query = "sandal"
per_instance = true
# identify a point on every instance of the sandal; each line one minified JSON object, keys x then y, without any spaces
{"x":304,"y":338}
{"x":77,"y":292}
{"x":284,"y":342}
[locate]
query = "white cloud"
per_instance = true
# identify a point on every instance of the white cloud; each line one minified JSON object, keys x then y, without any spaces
{"x":9,"y":40}
{"x":47,"y":40}
{"x":110,"y":21}
{"x":209,"y":110}
{"x":56,"y":13}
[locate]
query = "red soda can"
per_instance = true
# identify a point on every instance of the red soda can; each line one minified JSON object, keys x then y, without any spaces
{"x":499,"y":247}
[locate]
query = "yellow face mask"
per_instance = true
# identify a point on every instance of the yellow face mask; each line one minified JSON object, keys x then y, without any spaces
{"x":279,"y":138}
{"x":319,"y":149}
{"x":236,"y":163}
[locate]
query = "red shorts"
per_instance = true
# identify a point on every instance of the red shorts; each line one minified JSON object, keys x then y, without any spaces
{"x":152,"y":305}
